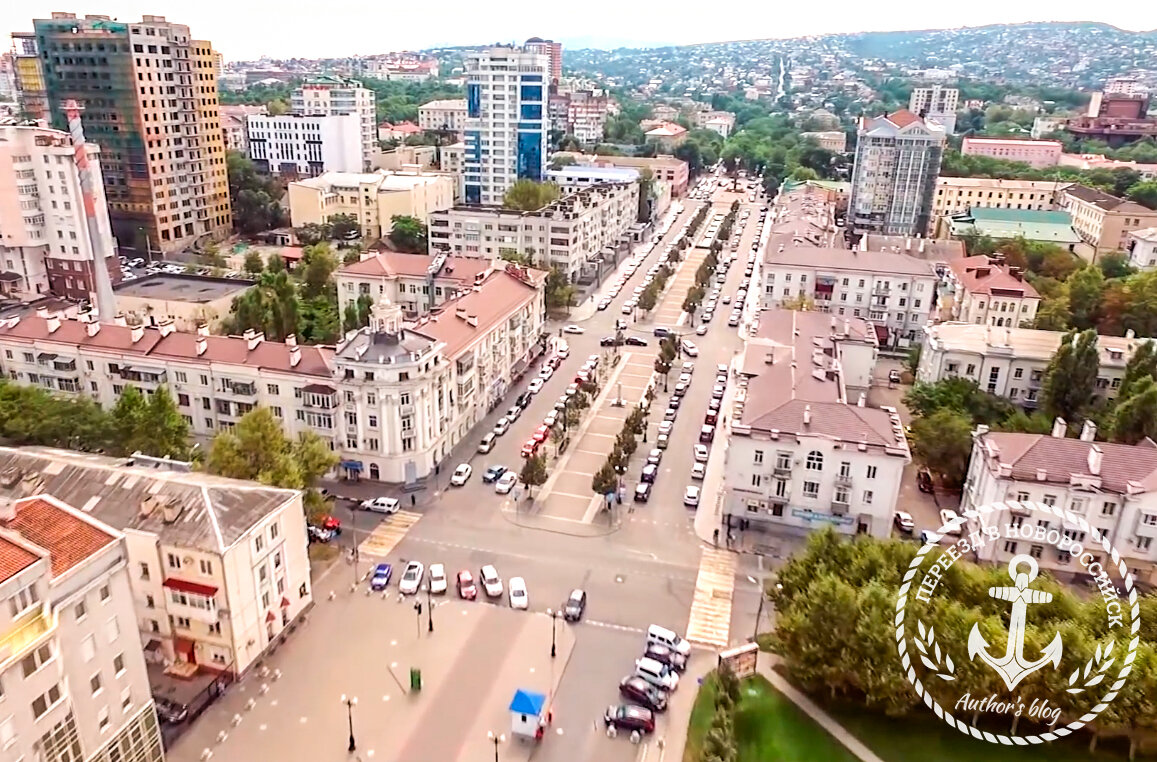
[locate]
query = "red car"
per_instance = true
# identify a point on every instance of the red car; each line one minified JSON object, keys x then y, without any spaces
{"x":333,"y":523}
{"x":530,"y":448}
{"x":541,"y":433}
{"x":466,"y":589}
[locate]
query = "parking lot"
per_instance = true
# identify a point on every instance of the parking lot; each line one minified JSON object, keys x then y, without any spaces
{"x":567,"y":495}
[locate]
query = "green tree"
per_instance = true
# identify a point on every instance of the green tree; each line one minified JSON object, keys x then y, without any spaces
{"x":255,"y":198}
{"x":257,"y":449}
{"x":1141,"y":365}
{"x":559,"y":292}
{"x":646,"y":188}
{"x":1071,"y":377}
{"x":318,"y":264}
{"x":408,"y":234}
{"x":1115,"y":265}
{"x":344,"y":226}
{"x":253,"y":263}
{"x":649,"y":298}
{"x":534,"y":472}
{"x":1135,"y":417}
{"x":312,"y":233}
{"x":1144,"y":193}
{"x":153,"y":425}
{"x":605,"y":480}
{"x":529,"y":196}
{"x":943,"y":443}
{"x":1085,"y":289}
{"x":1053,"y":315}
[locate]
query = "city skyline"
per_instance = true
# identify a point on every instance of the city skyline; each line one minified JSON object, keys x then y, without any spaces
{"x":340,"y":32}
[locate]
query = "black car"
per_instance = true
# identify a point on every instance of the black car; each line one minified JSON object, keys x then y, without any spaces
{"x":523,"y":400}
{"x":629,"y":717}
{"x":642,"y":492}
{"x":650,"y":472}
{"x":664,"y":655}
{"x":638,"y":691}
{"x":635,"y":341}
{"x":171,"y":712}
{"x":607,"y":341}
{"x":674,"y":402}
{"x":573,"y":610}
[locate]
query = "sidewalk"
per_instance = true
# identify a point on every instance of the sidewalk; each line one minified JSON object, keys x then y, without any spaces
{"x":813,"y":710}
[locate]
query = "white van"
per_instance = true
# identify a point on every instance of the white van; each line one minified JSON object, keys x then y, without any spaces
{"x":657,"y":674}
{"x":665,"y":637}
{"x":690,"y":349}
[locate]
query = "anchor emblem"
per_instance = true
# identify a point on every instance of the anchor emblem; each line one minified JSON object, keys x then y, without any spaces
{"x":1013,"y":666}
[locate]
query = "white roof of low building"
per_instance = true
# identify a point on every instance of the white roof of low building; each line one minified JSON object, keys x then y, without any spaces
{"x":1020,"y":343}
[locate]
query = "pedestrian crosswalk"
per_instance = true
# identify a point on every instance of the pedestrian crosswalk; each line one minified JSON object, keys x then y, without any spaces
{"x":710,"y":620}
{"x":383,"y":540}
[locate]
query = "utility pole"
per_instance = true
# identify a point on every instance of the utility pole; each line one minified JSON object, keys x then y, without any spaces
{"x":102,"y":284}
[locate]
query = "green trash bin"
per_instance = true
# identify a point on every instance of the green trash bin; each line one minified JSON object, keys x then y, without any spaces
{"x":415,"y":679}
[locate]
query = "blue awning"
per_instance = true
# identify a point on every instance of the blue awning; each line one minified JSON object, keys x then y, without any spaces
{"x":352,"y":465}
{"x":527,"y":702}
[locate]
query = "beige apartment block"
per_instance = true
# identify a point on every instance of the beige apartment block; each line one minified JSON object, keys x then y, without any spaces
{"x":959,"y":194}
{"x":1104,"y":221}
{"x":373,"y":198}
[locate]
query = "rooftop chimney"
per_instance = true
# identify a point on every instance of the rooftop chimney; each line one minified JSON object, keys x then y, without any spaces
{"x":294,"y":356}
{"x":202,"y":345}
{"x":807,"y":415}
{"x":119,"y":319}
{"x":253,"y":338}
{"x":137,"y":333}
{"x":54,"y":323}
{"x":1060,"y":427}
{"x":862,"y":400}
{"x":291,"y":340}
{"x":92,"y":328}
{"x":1089,"y":431}
{"x":42,"y":312}
{"x":166,"y":327}
{"x":1095,"y":458}
{"x":202,"y":329}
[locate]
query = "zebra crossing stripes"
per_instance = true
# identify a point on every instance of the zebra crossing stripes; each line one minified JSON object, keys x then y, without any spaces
{"x":710,"y":619}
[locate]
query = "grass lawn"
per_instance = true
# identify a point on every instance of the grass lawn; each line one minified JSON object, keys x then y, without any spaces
{"x":768,"y":727}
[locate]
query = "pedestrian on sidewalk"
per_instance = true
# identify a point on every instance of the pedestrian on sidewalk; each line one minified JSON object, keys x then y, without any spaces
{"x":715,"y":538}
{"x":413,"y":500}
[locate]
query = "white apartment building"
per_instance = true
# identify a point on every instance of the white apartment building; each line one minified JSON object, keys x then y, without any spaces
{"x":937,"y":103}
{"x":334,"y":96}
{"x":45,"y":244}
{"x":894,"y":176}
{"x":1142,"y":248}
{"x":444,"y":115}
{"x":417,"y":283}
{"x":73,"y":682}
{"x":1110,"y":485}
{"x":217,"y":379}
{"x":804,"y":451}
{"x":1011,"y":362}
{"x":305,"y":146}
{"x":569,"y":233}
{"x":218,"y":567}
{"x":896,"y":292}
{"x":574,"y":177}
{"x":506,"y":121}
{"x":959,"y":194}
{"x":984,"y":291}
{"x":586,"y":113}
{"x":372,"y":198}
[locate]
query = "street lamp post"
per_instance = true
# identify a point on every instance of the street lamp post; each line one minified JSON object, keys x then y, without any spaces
{"x":496,"y":739}
{"x":350,"y":702}
{"x":429,"y":608}
{"x":553,"y":620}
{"x":418,"y":611}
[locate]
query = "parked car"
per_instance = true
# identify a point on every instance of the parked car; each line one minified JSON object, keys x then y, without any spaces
{"x":924,"y":481}
{"x":492,"y":474}
{"x":690,"y":349}
{"x":635,"y":341}
{"x":691,"y":496}
{"x":698,"y":471}
{"x":501,"y":426}
{"x":947,"y":516}
{"x":654,"y":457}
{"x":518,"y":596}
{"x":701,"y":453}
{"x":487,"y":443}
{"x":638,"y":691}
{"x":381,"y":505}
{"x":575,"y":605}
{"x":411,"y":578}
{"x":642,"y":492}
{"x":666,"y":655}
{"x":573,"y":329}
{"x":466,"y":589}
{"x":171,"y":712}
{"x":706,"y":433}
{"x":904,"y":522}
{"x":530,"y":448}
{"x":380,"y":579}
{"x":506,"y":483}
{"x":461,"y":475}
{"x":630,"y":718}
{"x":657,"y":674}
{"x":535,"y":385}
{"x":650,"y":473}
{"x":320,"y":534}
{"x":491,"y":582}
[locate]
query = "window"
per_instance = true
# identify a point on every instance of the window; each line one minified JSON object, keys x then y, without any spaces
{"x":815,"y":461}
{"x":126,"y":699}
{"x":94,"y":683}
{"x":183,"y":622}
{"x":811,"y":489}
{"x":25,"y":598}
{"x":783,"y":460}
{"x":1016,"y":521}
{"x":35,"y":660}
{"x":1149,"y":519}
{"x":868,"y":497}
{"x":259,"y":542}
{"x":118,"y":664}
{"x":105,"y":593}
{"x":1009,"y":546}
{"x":44,"y":702}
{"x":1143,"y":543}
{"x":273,"y":532}
{"x":1108,"y":508}
{"x":845,"y":469}
{"x":1036,"y":550}
{"x":871,"y":472}
{"x":273,"y":389}
{"x":150,"y":603}
{"x":755,"y":480}
{"x":277,"y":560}
{"x":7,"y":734}
{"x":112,"y":630}
{"x":80,"y":611}
{"x":758,"y":457}
{"x":174,"y":561}
{"x":88,"y":648}
{"x":206,"y":567}
{"x":102,"y":717}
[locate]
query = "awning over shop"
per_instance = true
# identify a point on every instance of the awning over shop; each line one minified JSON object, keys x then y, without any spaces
{"x":352,"y":465}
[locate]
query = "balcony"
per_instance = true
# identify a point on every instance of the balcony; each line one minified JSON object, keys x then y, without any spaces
{"x":241,"y":389}
{"x":782,"y":468}
{"x":844,"y":480}
{"x":839,"y":508}
{"x":25,"y":633}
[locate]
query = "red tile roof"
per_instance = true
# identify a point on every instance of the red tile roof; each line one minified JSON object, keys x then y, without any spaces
{"x":1060,"y":458}
{"x":389,"y":264}
{"x":14,"y":558}
{"x":980,"y":275}
{"x":66,"y":534}
{"x":489,"y":304}
{"x":903,"y":118}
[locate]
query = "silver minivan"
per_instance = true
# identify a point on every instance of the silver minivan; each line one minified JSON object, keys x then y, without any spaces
{"x":668,"y":638}
{"x":657,"y":674}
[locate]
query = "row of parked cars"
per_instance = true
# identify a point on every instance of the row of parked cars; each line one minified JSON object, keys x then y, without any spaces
{"x":647,"y":691}
{"x":465,"y":585}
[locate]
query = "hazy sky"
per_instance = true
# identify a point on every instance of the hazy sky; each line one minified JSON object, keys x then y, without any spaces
{"x":245,"y":29}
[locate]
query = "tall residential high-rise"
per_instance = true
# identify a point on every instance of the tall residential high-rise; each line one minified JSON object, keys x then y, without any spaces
{"x":553,"y":50}
{"x":47,"y":244}
{"x":29,"y":76}
{"x":894,"y":177}
{"x":937,"y":104}
{"x":150,"y":97}
{"x":336,"y":96}
{"x":506,"y":121}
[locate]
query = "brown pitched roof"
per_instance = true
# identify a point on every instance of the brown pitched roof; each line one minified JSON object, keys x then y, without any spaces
{"x":1106,"y":201}
{"x":488,"y":304}
{"x":1060,"y":458}
{"x":981,"y":275}
{"x":903,"y":118}
{"x":390,"y":264}
{"x":14,"y":558}
{"x":68,"y":536}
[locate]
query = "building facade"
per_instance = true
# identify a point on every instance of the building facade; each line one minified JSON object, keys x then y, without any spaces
{"x":570,"y":233}
{"x":448,"y":115}
{"x":417,"y":283}
{"x":73,"y":674}
{"x":894,"y":176}
{"x":372,"y":198}
{"x":573,"y":177}
{"x":506,"y":121}
{"x":984,"y":291}
{"x":234,"y":128}
{"x":1035,"y":153}
{"x":45,"y":246}
{"x":1142,"y":249}
{"x":337,"y":96}
{"x":297,"y":145}
{"x":803,"y":450}
{"x":959,"y":194}
{"x":162,"y":158}
{"x":896,"y":292}
{"x":936,"y":103}
{"x":835,"y":141}
{"x":1110,"y":485}
{"x":553,"y":51}
{"x":1104,"y":221}
{"x":670,"y":170}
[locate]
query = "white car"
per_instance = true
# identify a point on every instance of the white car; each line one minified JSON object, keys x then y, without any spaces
{"x":698,"y":471}
{"x":690,"y":349}
{"x":491,"y":582}
{"x":947,"y":516}
{"x":505,"y":483}
{"x":573,"y":329}
{"x":518,"y":596}
{"x":665,"y":427}
{"x":461,"y":475}
{"x":535,"y":385}
{"x":546,"y":372}
{"x":487,"y":443}
{"x":437,"y":579}
{"x":411,"y":578}
{"x":700,"y":453}
{"x":691,"y":496}
{"x":381,"y":505}
{"x":501,"y":427}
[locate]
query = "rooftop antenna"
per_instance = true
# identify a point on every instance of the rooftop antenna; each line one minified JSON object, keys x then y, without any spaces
{"x":102,"y":284}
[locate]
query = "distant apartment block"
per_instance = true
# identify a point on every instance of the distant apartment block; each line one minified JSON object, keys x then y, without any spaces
{"x":959,"y":194}
{"x":581,"y":113}
{"x":577,"y":176}
{"x":894,"y":175}
{"x":418,"y":283}
{"x":1087,"y":161}
{"x":668,"y":135}
{"x":936,"y":103}
{"x":720,"y":122}
{"x":1103,"y":220}
{"x":235,"y":128}
{"x":663,"y":167}
{"x":45,"y":246}
{"x":372,"y":198}
{"x":1036,"y":153}
{"x":984,"y":291}
{"x":835,"y":141}
{"x":400,"y":68}
{"x":1046,"y":125}
{"x":336,"y":96}
{"x":1142,"y":249}
{"x":1115,"y":118}
{"x":297,"y":145}
{"x":553,"y":51}
{"x":448,"y":115}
